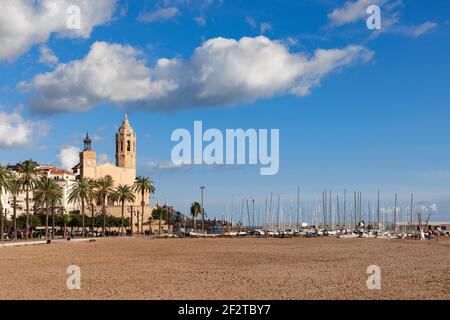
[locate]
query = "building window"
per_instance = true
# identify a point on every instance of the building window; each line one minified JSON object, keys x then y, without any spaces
{"x":128,"y":146}
{"x":121,"y":146}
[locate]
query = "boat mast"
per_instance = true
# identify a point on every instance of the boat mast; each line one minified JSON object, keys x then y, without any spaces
{"x":395,"y":213}
{"x":378,"y":209}
{"x":242,"y":214}
{"x":345,"y":214}
{"x":355,"y":209}
{"x":338,"y":213}
{"x":298,"y":208}
{"x":411,"y":210}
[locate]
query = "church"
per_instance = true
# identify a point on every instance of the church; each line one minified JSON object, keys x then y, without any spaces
{"x":122,"y":173}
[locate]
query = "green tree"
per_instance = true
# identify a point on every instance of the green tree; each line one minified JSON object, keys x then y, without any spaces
{"x":104,"y":187}
{"x":67,"y":218}
{"x":143,"y":185}
{"x":48,"y":193}
{"x":15,"y":188}
{"x":124,"y":194}
{"x":5,"y":178}
{"x":196,"y":208}
{"x":81,"y":192}
{"x":28,"y":171}
{"x":159,"y":213}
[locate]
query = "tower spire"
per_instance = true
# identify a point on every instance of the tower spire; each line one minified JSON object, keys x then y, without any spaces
{"x":126,"y":145}
{"x":87,"y":142}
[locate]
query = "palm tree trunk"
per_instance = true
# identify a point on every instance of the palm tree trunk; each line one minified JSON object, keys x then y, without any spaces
{"x":15,"y":217}
{"x":1,"y":220}
{"x":53,"y":220}
{"x":168,"y":221}
{"x":195,"y":223}
{"x":150,"y":225}
{"x":27,"y":204}
{"x":123,"y":216}
{"x":131,"y":213}
{"x":46,"y":221}
{"x":92,"y":217}
{"x":82,"y":218}
{"x":104,"y":216}
{"x":142,"y":212}
{"x":159,"y":229}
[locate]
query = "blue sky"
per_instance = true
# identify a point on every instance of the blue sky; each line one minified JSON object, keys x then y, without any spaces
{"x":371,"y":115}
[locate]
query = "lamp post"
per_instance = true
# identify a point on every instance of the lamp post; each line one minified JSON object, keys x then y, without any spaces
{"x":203,"y":210}
{"x":130,"y":210}
{"x":138,"y":226}
{"x":93,"y":210}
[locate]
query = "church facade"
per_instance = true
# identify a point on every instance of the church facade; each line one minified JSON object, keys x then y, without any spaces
{"x":122,"y":173}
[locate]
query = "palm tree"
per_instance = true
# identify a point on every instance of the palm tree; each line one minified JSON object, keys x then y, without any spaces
{"x":15,"y":188}
{"x":125,"y":194}
{"x":196,"y":208}
{"x":47,"y":193}
{"x":5,"y":176}
{"x":159,"y":214}
{"x":104,"y":187}
{"x":82,"y":191}
{"x":28,"y":171}
{"x":143,"y":185}
{"x":56,"y":199}
{"x":114,"y":196}
{"x":67,"y":218}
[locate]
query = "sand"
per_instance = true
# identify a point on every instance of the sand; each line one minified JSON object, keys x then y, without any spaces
{"x":140,"y":268}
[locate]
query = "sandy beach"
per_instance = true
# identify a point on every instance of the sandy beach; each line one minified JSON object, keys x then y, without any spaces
{"x":297,"y":268}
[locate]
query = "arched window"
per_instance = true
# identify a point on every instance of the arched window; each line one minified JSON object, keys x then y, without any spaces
{"x":121,"y":146}
{"x":128,"y":146}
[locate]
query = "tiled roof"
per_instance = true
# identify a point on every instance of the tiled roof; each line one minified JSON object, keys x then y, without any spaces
{"x":55,"y":170}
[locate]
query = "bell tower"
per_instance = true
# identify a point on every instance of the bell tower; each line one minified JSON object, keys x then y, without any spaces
{"x":126,"y":145}
{"x":88,"y":161}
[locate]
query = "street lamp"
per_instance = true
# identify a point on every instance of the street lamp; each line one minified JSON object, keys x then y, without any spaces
{"x":130,"y":210}
{"x":203,"y":211}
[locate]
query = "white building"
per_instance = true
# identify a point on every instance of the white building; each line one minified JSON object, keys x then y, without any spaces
{"x":66,"y":179}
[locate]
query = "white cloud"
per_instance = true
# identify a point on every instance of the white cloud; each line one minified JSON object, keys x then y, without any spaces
{"x":352,"y":11}
{"x":250,"y":21}
{"x":220,"y":72}
{"x":108,"y":73}
{"x":102,"y":158}
{"x":68,"y":157}
{"x":47,"y":56}
{"x":152,"y":167}
{"x":24,"y":23}
{"x":159,"y":15}
{"x":200,"y":20}
{"x":15,"y":131}
{"x":416,"y":31}
{"x":265,"y":27}
{"x":426,"y":207}
{"x":434,"y":207}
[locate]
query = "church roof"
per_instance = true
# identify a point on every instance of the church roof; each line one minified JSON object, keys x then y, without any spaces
{"x":125,"y":123}
{"x":78,"y":166}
